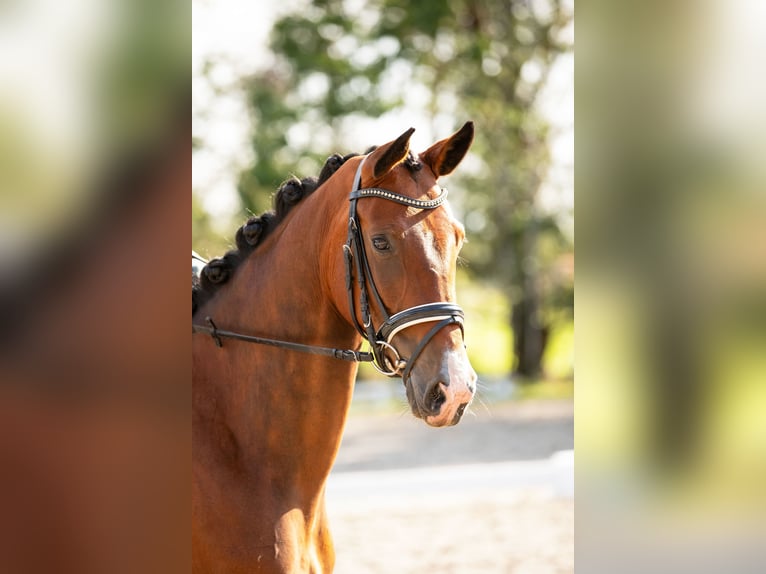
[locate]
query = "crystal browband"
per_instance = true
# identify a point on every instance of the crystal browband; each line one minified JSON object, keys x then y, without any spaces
{"x":398,"y":198}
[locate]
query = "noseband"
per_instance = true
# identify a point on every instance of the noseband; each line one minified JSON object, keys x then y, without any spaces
{"x":380,"y":340}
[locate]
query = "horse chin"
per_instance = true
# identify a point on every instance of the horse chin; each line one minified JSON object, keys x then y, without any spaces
{"x":445,"y":418}
{"x":439,"y":421}
{"x":448,"y":416}
{"x":450,"y":411}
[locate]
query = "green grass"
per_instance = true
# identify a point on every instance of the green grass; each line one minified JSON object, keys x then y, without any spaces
{"x":490,"y":340}
{"x":558,"y":361}
{"x":487,"y":332}
{"x":546,"y":389}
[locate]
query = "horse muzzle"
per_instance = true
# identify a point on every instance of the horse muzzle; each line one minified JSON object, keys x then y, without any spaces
{"x":442,"y":386}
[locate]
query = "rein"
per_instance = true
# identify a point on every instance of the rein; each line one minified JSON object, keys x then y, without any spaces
{"x":342,"y":354}
{"x":380,"y":340}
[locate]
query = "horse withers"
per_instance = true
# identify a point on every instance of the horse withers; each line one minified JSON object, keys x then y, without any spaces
{"x":367,"y":251}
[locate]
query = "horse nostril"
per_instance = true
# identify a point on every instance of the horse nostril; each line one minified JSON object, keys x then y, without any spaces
{"x":459,"y":413}
{"x":435,"y":398}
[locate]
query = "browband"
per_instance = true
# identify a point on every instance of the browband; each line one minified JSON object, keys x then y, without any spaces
{"x":399,"y":198}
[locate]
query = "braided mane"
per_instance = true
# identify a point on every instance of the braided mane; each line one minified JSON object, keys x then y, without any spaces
{"x":252,"y":233}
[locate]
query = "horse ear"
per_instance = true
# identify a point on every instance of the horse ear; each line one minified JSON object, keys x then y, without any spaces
{"x":445,"y":155}
{"x":390,"y":154}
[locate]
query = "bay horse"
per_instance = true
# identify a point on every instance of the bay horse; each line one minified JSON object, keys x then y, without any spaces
{"x":369,"y":253}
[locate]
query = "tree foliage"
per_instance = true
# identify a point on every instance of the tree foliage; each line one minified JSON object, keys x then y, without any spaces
{"x":338,"y":61}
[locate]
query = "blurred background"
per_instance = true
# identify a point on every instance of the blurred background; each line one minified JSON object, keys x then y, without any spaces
{"x":95,"y":172}
{"x":671,"y":278}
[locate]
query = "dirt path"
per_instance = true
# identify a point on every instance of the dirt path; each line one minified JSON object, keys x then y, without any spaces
{"x":526,"y":430}
{"x":492,"y":495}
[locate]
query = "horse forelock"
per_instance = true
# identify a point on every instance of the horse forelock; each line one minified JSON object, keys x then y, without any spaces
{"x":411,"y":162}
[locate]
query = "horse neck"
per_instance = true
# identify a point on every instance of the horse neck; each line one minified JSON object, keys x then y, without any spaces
{"x":285,"y":287}
{"x":280,"y":409}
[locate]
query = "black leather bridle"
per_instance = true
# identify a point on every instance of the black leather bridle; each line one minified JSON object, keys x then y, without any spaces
{"x":380,"y":340}
{"x":384,"y":356}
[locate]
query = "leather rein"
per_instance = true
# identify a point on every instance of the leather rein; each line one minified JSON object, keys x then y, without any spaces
{"x":383,"y":354}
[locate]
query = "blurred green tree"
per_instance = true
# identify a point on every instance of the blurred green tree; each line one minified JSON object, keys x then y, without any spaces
{"x":487,"y":60}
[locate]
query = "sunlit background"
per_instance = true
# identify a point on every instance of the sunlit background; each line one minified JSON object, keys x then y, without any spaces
{"x":671,"y":277}
{"x":95,"y":441}
{"x":83,"y":85}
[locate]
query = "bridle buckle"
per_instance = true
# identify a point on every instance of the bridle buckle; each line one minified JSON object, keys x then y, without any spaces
{"x":399,"y":363}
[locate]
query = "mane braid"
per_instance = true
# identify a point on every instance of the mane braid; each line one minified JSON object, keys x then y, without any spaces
{"x":252,"y":233}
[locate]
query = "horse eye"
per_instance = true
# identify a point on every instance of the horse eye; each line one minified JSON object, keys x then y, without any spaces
{"x":380,"y":243}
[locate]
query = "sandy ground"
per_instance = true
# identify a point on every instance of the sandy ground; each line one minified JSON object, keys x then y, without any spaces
{"x":491,"y":495}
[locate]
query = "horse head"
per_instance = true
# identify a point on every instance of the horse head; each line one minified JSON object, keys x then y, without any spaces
{"x":409,"y":243}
